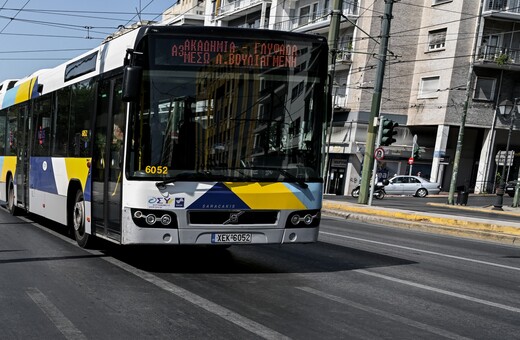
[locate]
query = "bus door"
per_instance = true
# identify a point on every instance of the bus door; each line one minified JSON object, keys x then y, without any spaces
{"x":107,"y":169}
{"x":22,"y":145}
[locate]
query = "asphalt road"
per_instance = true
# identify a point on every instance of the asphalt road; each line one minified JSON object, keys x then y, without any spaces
{"x":359,"y":281}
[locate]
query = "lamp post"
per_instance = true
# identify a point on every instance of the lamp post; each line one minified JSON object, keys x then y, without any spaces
{"x":505,"y":108}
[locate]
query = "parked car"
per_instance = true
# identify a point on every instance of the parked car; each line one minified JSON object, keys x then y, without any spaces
{"x":411,"y":185}
{"x":510,"y":188}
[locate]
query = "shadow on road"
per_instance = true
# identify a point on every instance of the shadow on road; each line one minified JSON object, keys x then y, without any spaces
{"x":304,"y":258}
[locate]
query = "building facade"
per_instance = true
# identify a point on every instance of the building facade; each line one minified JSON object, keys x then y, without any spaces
{"x":436,"y":49}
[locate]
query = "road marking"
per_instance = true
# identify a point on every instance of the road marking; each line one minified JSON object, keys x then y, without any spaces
{"x":64,"y":325}
{"x":423,"y":251}
{"x":441,"y":291}
{"x":211,"y":307}
{"x":237,"y":319}
{"x":384,"y":314}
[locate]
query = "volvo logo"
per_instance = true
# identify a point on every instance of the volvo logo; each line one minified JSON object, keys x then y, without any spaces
{"x":233,"y":217}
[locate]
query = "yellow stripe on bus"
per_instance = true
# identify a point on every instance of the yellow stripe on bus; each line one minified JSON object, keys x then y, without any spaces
{"x":266,"y":195}
{"x":24,"y":91}
{"x":77,"y":168}
{"x":9,"y":165}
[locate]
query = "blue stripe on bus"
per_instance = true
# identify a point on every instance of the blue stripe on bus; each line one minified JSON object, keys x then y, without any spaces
{"x":219,"y":197}
{"x":9,"y":98}
{"x":310,"y":197}
{"x":41,"y":179}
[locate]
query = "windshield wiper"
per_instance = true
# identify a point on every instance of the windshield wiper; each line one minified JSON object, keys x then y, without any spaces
{"x":206,"y":175}
{"x":286,"y":174}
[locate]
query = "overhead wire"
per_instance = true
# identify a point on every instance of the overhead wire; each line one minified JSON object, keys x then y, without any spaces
{"x":7,"y":24}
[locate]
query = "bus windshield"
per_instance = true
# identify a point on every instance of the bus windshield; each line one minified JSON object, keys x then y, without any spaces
{"x":210,"y":113}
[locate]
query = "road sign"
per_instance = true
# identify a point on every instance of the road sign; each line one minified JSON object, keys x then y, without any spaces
{"x":379,"y":154}
{"x":500,"y":158}
{"x":410,"y":160}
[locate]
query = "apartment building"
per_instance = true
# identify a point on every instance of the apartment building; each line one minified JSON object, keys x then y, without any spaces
{"x":433,"y":46}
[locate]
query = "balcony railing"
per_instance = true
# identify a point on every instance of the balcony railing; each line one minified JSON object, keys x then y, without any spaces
{"x":350,"y":8}
{"x":228,"y":7}
{"x":344,"y":55}
{"x":511,"y":6}
{"x":499,"y":54}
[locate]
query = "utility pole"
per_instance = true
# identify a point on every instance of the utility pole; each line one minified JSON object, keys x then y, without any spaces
{"x":368,"y":159}
{"x":469,"y":86}
{"x":333,"y":51}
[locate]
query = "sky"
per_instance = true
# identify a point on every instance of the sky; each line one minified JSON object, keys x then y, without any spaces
{"x":38,"y":34}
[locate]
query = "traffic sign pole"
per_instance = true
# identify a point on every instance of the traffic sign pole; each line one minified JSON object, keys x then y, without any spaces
{"x":374,"y":170}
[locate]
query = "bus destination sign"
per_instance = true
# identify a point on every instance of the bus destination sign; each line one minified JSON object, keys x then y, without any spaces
{"x":236,"y":53}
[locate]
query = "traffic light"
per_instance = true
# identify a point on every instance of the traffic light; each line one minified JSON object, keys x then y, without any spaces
{"x":389,"y":131}
{"x":415,"y":153}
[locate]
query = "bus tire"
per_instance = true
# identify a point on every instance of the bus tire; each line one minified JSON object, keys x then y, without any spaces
{"x":11,"y":204}
{"x":78,"y":220}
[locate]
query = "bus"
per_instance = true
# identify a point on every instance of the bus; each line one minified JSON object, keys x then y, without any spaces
{"x":173,"y":135}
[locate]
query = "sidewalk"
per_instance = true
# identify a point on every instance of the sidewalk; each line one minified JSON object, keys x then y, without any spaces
{"x":489,"y":228}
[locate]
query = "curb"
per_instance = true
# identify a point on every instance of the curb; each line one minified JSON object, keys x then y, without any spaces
{"x":459,"y":207}
{"x":473,"y":228}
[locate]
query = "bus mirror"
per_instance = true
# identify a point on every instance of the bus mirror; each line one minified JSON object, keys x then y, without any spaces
{"x":132,"y":83}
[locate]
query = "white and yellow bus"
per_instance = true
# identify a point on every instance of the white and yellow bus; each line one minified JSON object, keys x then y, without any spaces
{"x":173,"y":135}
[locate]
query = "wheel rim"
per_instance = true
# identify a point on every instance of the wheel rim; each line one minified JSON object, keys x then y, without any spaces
{"x":422,"y":193}
{"x":10,"y":203}
{"x":78,"y":217}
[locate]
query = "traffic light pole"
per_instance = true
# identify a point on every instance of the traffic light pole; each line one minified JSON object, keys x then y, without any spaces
{"x":368,"y":158}
{"x":374,"y":170}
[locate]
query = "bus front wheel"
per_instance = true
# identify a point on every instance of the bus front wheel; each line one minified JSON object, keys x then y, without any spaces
{"x":11,"y":204}
{"x":78,"y":220}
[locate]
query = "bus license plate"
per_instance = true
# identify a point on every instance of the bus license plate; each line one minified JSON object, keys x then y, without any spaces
{"x":231,"y":238}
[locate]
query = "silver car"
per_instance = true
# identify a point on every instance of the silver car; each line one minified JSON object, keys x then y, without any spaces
{"x":411,"y":185}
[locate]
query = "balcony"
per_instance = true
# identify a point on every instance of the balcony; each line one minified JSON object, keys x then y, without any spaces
{"x":317,"y":20}
{"x":228,"y":8}
{"x":496,"y":56}
{"x":505,"y":9}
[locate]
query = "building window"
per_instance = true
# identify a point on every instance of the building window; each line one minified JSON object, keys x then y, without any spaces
{"x":304,"y":15}
{"x":308,"y":14}
{"x":485,"y":89}
{"x":437,"y":40}
{"x":429,"y":87}
{"x":438,"y":2}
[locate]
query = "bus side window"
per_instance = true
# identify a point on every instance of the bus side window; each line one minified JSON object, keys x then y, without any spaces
{"x":61,"y":128}
{"x":3,"y":120}
{"x":42,"y":126}
{"x":81,"y":111}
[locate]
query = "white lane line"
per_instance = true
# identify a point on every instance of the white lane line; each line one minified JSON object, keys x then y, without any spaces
{"x":211,"y":307}
{"x":64,"y":325}
{"x":423,"y":251}
{"x":441,"y":291}
{"x":387,"y":315}
{"x":237,"y":319}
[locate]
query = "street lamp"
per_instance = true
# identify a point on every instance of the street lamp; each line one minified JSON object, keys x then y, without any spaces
{"x":505,"y":108}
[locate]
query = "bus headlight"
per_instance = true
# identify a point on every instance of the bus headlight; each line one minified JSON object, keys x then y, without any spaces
{"x":166,"y":219}
{"x":295,"y":219}
{"x":303,"y":218}
{"x":308,"y":219}
{"x":150,"y":219}
{"x":146,"y":218}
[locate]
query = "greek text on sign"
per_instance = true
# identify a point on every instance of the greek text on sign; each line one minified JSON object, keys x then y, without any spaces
{"x":237,"y":53}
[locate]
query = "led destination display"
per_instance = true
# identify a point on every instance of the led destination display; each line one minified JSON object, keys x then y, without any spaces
{"x":227,"y":52}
